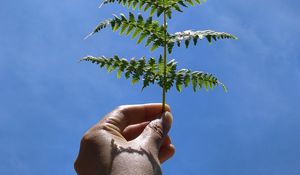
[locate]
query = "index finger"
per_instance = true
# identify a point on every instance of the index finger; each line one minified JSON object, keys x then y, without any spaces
{"x":126,"y":115}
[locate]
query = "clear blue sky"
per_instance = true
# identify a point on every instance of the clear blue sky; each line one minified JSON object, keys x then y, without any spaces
{"x":48,"y":99}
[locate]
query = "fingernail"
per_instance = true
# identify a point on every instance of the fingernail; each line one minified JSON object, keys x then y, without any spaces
{"x":167,"y":119}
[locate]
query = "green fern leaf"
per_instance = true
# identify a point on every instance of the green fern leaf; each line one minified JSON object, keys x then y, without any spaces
{"x":151,"y":72}
{"x":101,"y":26}
{"x":142,"y":36}
{"x":119,"y":73}
{"x":188,"y":35}
{"x":155,"y":6}
{"x":175,"y":4}
{"x":190,"y":2}
{"x":197,"y":78}
{"x":123,"y":28}
{"x":143,"y":5}
{"x":147,"y":29}
{"x":224,"y":87}
{"x":135,"y":34}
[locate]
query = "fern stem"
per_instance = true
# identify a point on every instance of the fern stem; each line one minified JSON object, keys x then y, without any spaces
{"x":165,"y":62}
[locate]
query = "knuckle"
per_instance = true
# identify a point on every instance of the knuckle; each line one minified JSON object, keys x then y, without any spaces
{"x":86,"y":138}
{"x":119,"y":111}
{"x":109,"y":121}
{"x":121,"y":108}
{"x":110,"y":124}
{"x":89,"y":138}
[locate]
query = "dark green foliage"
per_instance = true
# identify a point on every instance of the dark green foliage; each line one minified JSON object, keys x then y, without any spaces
{"x":154,"y":32}
{"x":189,"y":35}
{"x":151,"y":72}
{"x":155,"y":6}
{"x":157,"y":71}
{"x":149,"y":29}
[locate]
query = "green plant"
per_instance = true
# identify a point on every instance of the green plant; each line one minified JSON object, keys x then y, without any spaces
{"x":157,"y":71}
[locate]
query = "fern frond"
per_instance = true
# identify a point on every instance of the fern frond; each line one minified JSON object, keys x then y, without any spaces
{"x":142,"y":5}
{"x":151,"y":72}
{"x":189,"y":35}
{"x":156,"y":6}
{"x":134,"y":69}
{"x":148,"y":28}
{"x":176,"y":4}
{"x":198,"y":80}
{"x":99,"y":27}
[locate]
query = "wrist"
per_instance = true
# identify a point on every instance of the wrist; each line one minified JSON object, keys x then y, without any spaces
{"x":135,"y":163}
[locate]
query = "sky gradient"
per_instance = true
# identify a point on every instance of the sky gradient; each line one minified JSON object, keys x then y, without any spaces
{"x":48,"y":99}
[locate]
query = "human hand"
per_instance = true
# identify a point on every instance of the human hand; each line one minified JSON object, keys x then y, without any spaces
{"x":131,"y":140}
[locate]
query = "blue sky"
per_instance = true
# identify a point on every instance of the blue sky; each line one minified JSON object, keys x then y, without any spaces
{"x":48,"y":99}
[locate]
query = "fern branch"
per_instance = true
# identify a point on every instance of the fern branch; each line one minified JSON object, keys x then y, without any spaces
{"x":197,"y":78}
{"x":189,"y":35}
{"x":143,"y":5}
{"x":157,"y":6}
{"x":99,"y":27}
{"x":149,"y":29}
{"x":176,"y":4}
{"x":152,"y":72}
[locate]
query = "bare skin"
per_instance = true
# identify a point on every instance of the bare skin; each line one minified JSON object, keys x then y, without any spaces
{"x":131,"y":139}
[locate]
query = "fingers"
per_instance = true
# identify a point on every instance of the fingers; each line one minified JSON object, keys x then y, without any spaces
{"x":155,"y":133}
{"x":127,"y":115}
{"x":166,"y":152}
{"x":167,"y":141}
{"x":133,"y":131}
{"x":167,"y":149}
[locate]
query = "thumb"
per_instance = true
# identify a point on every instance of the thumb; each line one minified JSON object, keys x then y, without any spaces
{"x":155,"y":132}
